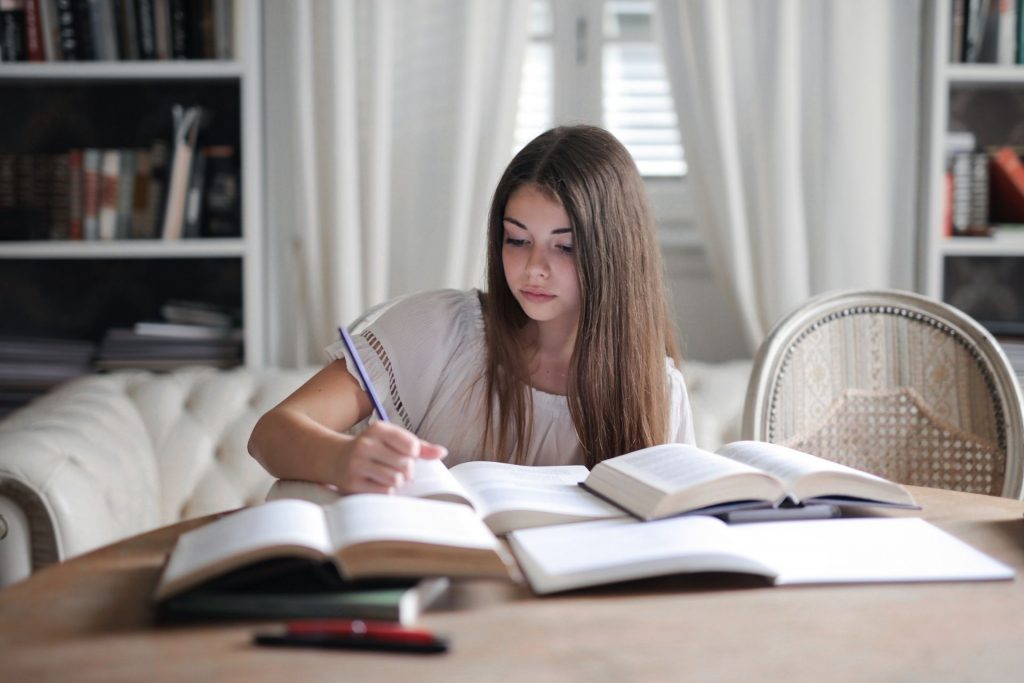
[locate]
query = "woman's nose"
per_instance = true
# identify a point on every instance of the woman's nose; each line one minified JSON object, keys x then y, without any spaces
{"x":537,"y":264}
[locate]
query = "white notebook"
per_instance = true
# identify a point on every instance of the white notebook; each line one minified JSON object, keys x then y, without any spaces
{"x":565,"y":557}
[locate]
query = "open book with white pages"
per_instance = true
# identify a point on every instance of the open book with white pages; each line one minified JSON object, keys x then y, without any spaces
{"x":504,"y":496}
{"x":862,"y":550}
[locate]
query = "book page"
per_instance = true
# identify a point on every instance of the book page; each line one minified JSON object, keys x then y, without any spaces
{"x":785,"y":463}
{"x":865,"y":550}
{"x":258,"y":532}
{"x":501,"y":487}
{"x":671,"y":467}
{"x":432,"y":479}
{"x":366,"y":517}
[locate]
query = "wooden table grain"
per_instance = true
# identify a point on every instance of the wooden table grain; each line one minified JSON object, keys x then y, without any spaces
{"x":91,"y":619}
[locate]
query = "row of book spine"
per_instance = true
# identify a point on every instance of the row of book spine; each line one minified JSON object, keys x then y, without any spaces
{"x":984,"y":189}
{"x":106,"y":194}
{"x":987,"y":31}
{"x":107,"y":30}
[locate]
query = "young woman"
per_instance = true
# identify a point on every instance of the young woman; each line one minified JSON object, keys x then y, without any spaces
{"x":567,"y":358}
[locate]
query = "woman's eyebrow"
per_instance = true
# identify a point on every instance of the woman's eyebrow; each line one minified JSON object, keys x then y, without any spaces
{"x":556,"y":231}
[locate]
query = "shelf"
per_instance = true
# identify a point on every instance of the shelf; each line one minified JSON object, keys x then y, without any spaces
{"x":985,"y":75}
{"x":126,"y":249}
{"x":1000,"y":244}
{"x":170,"y":70}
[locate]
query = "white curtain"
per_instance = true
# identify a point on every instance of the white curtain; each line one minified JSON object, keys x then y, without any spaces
{"x":388,"y":125}
{"x":800,"y":125}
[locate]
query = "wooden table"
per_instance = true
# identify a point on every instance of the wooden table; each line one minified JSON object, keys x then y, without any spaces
{"x":91,"y":619}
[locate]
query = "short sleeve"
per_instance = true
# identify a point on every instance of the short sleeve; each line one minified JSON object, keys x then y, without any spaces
{"x":406,"y":345}
{"x":681,"y":417}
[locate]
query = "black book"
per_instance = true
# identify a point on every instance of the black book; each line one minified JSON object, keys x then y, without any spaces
{"x":85,"y":46}
{"x":298,"y":589}
{"x":146,"y":29}
{"x":179,"y":29}
{"x":67,"y":33}
{"x":13,"y":46}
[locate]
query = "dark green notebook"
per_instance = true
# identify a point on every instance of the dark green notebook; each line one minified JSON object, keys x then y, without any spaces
{"x":278,"y":590}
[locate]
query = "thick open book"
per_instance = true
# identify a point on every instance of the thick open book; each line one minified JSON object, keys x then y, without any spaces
{"x":865,"y":550}
{"x":671,"y":479}
{"x":365,"y":536}
{"x":505,"y":496}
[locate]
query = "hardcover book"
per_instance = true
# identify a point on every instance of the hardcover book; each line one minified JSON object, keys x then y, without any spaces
{"x":672,"y":479}
{"x":306,"y":592}
{"x":367,"y":536}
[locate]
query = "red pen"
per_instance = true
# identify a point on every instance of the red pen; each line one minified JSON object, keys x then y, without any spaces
{"x":390,"y":630}
{"x":353,"y":634}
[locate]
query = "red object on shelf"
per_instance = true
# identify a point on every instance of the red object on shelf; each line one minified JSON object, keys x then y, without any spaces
{"x":1007,"y":182}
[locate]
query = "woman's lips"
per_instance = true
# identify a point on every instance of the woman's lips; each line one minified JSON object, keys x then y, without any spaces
{"x":537,"y":297}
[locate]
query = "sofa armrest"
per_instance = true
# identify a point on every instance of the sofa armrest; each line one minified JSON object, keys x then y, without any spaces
{"x":108,"y":456}
{"x":79,"y":466}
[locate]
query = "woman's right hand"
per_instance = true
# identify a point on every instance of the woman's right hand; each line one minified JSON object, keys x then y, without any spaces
{"x":382,"y":458}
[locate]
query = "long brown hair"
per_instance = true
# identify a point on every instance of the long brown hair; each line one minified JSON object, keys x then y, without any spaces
{"x":618,"y":392}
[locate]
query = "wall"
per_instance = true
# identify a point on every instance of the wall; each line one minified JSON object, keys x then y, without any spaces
{"x":709,"y":329}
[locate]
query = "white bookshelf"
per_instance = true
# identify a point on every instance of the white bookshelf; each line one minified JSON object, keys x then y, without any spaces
{"x":943,"y":81}
{"x":125,"y":249}
{"x":242,"y":75}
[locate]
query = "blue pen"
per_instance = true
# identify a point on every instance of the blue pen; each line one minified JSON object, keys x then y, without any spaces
{"x":346,"y":339}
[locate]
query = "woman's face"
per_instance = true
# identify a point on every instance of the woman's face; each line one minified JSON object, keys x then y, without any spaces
{"x":539,"y":258}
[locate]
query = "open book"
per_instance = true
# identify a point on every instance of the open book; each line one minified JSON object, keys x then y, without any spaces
{"x":505,"y":496}
{"x":365,"y":536}
{"x":671,"y":479}
{"x":565,"y":557}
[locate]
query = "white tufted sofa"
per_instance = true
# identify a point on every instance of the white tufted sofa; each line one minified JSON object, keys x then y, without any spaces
{"x":109,"y":456}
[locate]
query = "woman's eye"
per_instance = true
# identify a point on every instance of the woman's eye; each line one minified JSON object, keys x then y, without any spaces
{"x":567,"y":248}
{"x":511,"y":241}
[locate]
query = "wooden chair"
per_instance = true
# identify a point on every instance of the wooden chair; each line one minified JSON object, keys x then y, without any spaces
{"x":893,"y":383}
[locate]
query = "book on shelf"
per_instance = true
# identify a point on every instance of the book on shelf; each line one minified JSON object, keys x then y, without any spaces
{"x":187,"y":121}
{"x":969,"y":196}
{"x":59,"y":197}
{"x":125,"y":194}
{"x":91,"y":193}
{"x":194,"y":196}
{"x":85,"y":45}
{"x":862,"y":550}
{"x":127,"y":29}
{"x":12,"y":31}
{"x":76,"y":195}
{"x":220,"y":208}
{"x":503,"y":495}
{"x":31,"y":366}
{"x":66,"y":31}
{"x":156,"y":328}
{"x":673,"y":479}
{"x":302,"y":590}
{"x":130,"y":348}
{"x":114,"y":193}
{"x":110,"y":178}
{"x":366,"y":536}
{"x":83,"y":30}
{"x":198,"y":313}
{"x":34,"y":49}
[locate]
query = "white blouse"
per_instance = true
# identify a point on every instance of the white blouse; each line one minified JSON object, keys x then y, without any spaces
{"x":424,"y":354}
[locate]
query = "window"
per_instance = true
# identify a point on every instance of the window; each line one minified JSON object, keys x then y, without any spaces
{"x":598,"y":61}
